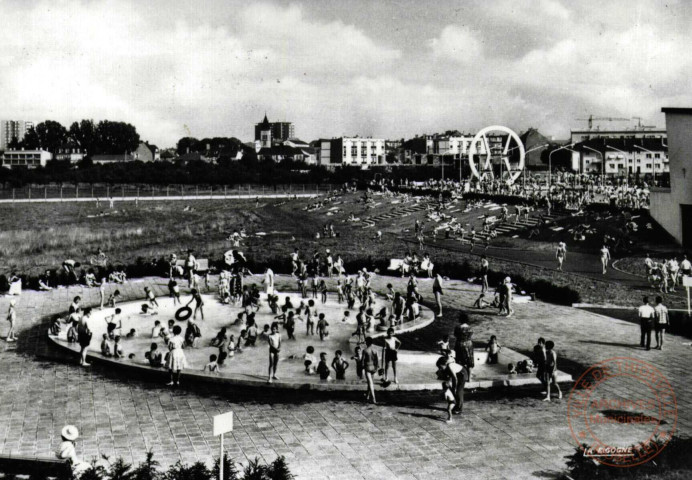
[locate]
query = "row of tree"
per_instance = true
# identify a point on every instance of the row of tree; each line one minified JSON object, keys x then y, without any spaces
{"x":104,"y":137}
{"x":215,"y":144}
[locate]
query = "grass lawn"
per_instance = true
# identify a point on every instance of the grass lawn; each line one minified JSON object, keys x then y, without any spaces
{"x":34,"y":237}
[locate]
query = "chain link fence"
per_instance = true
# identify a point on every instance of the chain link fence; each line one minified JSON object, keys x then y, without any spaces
{"x":86,"y":192}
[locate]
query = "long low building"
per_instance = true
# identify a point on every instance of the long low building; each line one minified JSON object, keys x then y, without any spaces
{"x":25,"y":158}
{"x":622,"y":156}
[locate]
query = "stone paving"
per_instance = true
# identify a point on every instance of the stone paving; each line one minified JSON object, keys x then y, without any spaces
{"x":322,"y":435}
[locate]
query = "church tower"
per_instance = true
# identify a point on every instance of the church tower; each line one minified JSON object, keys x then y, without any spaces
{"x":265,"y":130}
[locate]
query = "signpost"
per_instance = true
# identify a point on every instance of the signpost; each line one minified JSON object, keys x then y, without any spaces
{"x":223,"y":424}
{"x":687,"y":283}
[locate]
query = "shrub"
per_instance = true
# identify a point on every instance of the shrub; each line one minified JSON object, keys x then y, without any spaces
{"x":196,"y":471}
{"x":230,"y":472}
{"x":148,"y":469}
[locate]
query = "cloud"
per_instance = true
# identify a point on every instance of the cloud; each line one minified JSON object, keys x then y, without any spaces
{"x":112,"y":60}
{"x":458,"y":43}
{"x":213,"y":68}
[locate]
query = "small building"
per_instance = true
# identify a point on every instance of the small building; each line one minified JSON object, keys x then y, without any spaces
{"x":69,"y":152}
{"x":25,"y":158}
{"x":279,"y":153}
{"x":352,"y":151}
{"x":672,"y":207}
{"x":581,"y":135}
{"x":112,"y":158}
{"x":147,"y":153}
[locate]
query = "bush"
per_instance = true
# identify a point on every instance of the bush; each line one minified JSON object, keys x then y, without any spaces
{"x":149,"y":469}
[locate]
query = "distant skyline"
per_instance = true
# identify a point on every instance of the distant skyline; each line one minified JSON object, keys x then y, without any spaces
{"x":388,"y":69}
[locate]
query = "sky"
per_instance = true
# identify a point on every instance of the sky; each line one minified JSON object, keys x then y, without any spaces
{"x":387,"y":69}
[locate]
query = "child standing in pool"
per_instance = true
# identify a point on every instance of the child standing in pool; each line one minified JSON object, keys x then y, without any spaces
{"x":274,"y":341}
{"x":339,"y":365}
{"x":323,"y":291}
{"x":151,"y":298}
{"x":174,"y":291}
{"x":322,"y":327}
{"x":199,"y":303}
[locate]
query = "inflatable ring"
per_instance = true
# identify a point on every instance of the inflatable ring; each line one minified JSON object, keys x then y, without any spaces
{"x":183,"y":314}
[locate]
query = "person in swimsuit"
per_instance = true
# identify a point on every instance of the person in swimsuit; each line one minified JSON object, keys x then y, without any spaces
{"x":485,"y":266}
{"x":199,"y":303}
{"x":370,"y":365}
{"x":605,"y":258}
{"x":437,"y":291}
{"x":390,"y":353}
{"x":561,"y":254}
{"x":274,"y":341}
{"x":551,"y":370}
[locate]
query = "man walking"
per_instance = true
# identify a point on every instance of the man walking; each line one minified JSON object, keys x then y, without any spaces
{"x":646,"y":323}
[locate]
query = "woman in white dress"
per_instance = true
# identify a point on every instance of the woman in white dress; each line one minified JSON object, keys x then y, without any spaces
{"x":176,"y":357}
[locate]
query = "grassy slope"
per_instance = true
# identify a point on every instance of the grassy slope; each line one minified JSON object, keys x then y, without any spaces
{"x":38,"y":236}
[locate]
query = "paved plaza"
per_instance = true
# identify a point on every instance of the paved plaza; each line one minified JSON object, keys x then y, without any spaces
{"x":335,"y":435}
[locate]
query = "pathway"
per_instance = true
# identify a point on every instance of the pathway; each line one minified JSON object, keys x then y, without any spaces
{"x":511,"y":436}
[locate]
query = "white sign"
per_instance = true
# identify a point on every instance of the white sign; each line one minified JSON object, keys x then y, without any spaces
{"x":686,"y":281}
{"x":223,"y":423}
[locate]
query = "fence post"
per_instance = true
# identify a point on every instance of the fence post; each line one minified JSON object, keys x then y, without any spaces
{"x":167,"y":187}
{"x":152,"y":191}
{"x":197,"y":191}
{"x":181,"y":191}
{"x":224,"y":191}
{"x":108,"y":191}
{"x":137,"y":192}
{"x":29,"y":192}
{"x":61,"y":193}
{"x":45,"y":192}
{"x":92,"y":191}
{"x":122,"y":191}
{"x":13,"y":195}
{"x":76,"y":191}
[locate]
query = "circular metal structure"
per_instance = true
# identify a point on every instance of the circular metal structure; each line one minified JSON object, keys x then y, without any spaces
{"x":496,"y":146}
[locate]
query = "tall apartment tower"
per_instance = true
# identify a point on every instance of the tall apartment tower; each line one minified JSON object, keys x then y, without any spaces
{"x":10,"y":129}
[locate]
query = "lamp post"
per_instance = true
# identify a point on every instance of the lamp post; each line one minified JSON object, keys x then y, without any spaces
{"x":550,"y":163}
{"x":617,"y":150}
{"x":653,"y":160}
{"x":602,"y":163}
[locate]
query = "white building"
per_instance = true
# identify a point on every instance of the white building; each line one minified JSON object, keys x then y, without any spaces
{"x":622,"y":157}
{"x":25,"y":158}
{"x":352,"y":151}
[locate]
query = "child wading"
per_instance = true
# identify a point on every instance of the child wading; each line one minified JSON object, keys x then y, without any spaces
{"x":274,"y":341}
{"x":339,"y":365}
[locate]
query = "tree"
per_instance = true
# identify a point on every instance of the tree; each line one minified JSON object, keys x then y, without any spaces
{"x":116,"y":137}
{"x":51,"y":135}
{"x":187,"y":145}
{"x":14,"y":144}
{"x":30,"y":140}
{"x":85,"y":135}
